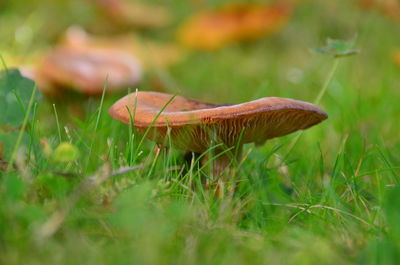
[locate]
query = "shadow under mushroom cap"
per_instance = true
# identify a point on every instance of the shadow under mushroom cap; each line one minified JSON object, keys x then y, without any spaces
{"x":192,"y":123}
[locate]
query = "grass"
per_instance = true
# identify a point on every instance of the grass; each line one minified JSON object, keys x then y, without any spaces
{"x":332,"y":198}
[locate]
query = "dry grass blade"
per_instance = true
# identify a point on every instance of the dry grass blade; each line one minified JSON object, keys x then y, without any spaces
{"x":304,"y":207}
{"x":53,"y":224}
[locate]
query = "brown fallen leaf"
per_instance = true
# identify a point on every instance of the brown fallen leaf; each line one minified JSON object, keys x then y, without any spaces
{"x":390,"y":8}
{"x":366,"y":4}
{"x":396,"y":57}
{"x":133,"y":14}
{"x":213,"y":29}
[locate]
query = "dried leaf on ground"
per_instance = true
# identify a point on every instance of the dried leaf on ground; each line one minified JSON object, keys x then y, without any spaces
{"x":396,"y":57}
{"x":213,"y":29}
{"x":390,"y":8}
{"x":133,"y":14}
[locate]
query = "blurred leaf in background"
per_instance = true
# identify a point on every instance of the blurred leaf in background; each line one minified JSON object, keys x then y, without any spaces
{"x":214,"y":29}
{"x":390,"y":8}
{"x":15,"y":94}
{"x":396,"y":57}
{"x":338,"y":48}
{"x":125,"y":14}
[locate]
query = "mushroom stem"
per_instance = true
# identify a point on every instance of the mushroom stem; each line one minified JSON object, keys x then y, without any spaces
{"x":222,"y":170}
{"x":222,"y":164}
{"x":195,"y":126}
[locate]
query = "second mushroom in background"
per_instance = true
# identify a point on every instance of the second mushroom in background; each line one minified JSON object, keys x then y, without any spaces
{"x":87,"y":70}
{"x":83,"y":62}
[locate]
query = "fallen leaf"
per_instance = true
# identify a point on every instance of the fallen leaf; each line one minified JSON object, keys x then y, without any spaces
{"x":213,"y":29}
{"x":396,"y":57}
{"x":133,"y":14}
{"x":390,"y":8}
{"x":15,"y":93}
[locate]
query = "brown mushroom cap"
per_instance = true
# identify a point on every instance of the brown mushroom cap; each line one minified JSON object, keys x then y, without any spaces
{"x":193,"y":124}
{"x":86,"y":70}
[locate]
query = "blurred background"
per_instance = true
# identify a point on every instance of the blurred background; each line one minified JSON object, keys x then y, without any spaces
{"x":220,"y":52}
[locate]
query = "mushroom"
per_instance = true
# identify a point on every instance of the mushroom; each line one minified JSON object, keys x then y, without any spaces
{"x":213,"y":29}
{"x":86,"y":70}
{"x":149,"y":53}
{"x":195,"y":126}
